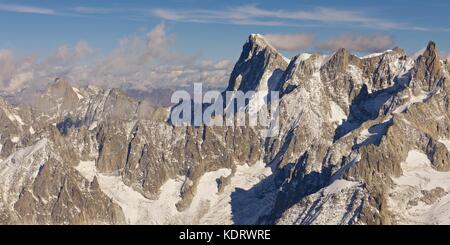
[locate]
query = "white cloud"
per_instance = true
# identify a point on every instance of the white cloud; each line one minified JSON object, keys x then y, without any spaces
{"x":66,"y":53}
{"x":7,"y":66}
{"x":21,"y":78}
{"x":14,"y":71}
{"x":26,"y":9}
{"x":157,"y":40}
{"x":157,"y":37}
{"x":290,"y":42}
{"x":82,"y":49}
{"x":18,"y":72}
{"x":358,"y":43}
{"x":141,"y":62}
{"x":148,"y":61}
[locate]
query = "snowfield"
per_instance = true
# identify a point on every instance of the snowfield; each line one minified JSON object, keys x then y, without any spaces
{"x":335,"y":204}
{"x":409,"y":201}
{"x":207,"y":207}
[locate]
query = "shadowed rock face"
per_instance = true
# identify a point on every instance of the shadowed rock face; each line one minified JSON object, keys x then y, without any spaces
{"x":346,"y":126}
{"x":428,"y":69}
{"x":258,"y":59}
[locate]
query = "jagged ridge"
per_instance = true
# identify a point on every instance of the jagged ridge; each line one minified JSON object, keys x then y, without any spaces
{"x":346,"y":126}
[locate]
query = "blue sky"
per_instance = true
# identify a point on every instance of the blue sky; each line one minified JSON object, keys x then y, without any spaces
{"x":207,"y":27}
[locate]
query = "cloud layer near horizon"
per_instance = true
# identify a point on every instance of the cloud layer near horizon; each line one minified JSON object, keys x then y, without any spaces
{"x":290,"y":42}
{"x":139,"y":62}
{"x":351,"y":41}
{"x":358,"y":43}
{"x":147,"y":61}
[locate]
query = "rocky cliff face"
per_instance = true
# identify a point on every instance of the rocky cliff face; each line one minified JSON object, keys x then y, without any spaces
{"x":353,"y":131}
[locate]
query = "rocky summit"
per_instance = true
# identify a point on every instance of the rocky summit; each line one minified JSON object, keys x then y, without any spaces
{"x":360,"y":140}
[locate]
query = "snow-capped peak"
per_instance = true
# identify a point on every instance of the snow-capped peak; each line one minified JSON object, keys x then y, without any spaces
{"x":375,"y":54}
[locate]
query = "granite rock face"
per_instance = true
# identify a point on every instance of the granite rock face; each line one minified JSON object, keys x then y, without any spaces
{"x":351,"y":129}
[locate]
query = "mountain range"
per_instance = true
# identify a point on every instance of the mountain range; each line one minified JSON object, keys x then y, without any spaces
{"x":361,"y":140}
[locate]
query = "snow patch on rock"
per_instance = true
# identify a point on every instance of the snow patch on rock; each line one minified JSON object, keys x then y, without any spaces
{"x":337,"y":114}
{"x":18,"y":170}
{"x":446,"y":143}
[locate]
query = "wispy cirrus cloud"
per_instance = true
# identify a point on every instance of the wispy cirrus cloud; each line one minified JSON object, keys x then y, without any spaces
{"x":213,"y":16}
{"x":88,"y":10}
{"x":94,"y":10}
{"x":25,"y":9}
{"x":79,"y":11}
{"x":317,"y":16}
{"x":321,"y":14}
{"x":254,"y":15}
